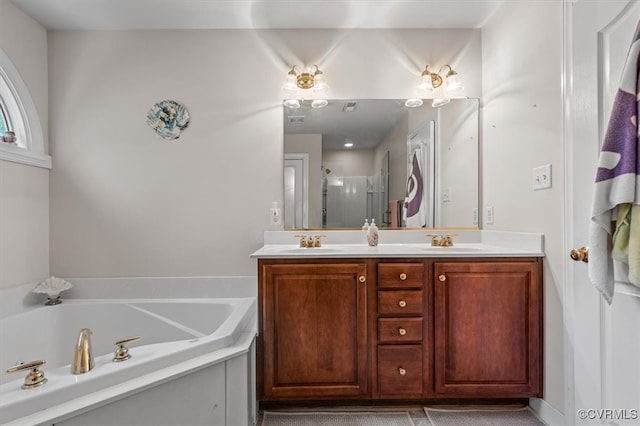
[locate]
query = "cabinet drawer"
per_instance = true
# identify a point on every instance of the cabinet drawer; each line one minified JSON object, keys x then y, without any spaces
{"x":393,"y":330}
{"x":400,"y":302}
{"x":400,"y":275}
{"x":399,"y":371}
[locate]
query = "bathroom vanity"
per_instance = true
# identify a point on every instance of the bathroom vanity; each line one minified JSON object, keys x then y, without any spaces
{"x":399,"y":322}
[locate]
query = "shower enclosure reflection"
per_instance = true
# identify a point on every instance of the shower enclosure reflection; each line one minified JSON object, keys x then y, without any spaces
{"x":348,"y":200}
{"x":377,"y":159}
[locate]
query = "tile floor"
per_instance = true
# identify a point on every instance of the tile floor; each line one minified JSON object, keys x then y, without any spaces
{"x":416,"y":412}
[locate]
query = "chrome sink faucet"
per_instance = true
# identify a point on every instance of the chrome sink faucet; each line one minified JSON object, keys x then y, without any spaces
{"x":82,"y":353}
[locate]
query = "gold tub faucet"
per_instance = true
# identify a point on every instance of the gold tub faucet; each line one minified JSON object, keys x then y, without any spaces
{"x":82,"y":353}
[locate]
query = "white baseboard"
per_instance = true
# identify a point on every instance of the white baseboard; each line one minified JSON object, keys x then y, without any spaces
{"x":546,"y":412}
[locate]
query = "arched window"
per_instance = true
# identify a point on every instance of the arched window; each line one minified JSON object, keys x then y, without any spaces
{"x":18,"y":114}
{"x":4,"y":122}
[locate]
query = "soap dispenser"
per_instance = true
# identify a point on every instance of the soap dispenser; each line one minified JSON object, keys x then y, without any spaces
{"x":372,"y":234}
{"x":365,"y":227}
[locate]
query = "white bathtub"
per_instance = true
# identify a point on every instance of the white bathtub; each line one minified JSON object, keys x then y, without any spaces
{"x":178,"y":337}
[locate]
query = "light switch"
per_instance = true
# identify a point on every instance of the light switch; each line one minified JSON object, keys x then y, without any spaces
{"x":541,"y":177}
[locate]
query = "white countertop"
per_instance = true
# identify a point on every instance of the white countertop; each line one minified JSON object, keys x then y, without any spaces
{"x":351,"y":244}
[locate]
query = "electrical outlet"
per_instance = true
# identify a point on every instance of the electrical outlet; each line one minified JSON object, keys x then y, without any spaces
{"x":446,"y":194}
{"x":541,"y":177}
{"x":488,"y":213}
{"x":475,"y":215}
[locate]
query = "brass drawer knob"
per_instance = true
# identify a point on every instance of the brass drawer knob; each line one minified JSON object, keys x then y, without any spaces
{"x":402,"y":303}
{"x":402,"y":371}
{"x":402,"y":331}
{"x":362,"y":278}
{"x":403,"y":276}
{"x":442,"y":278}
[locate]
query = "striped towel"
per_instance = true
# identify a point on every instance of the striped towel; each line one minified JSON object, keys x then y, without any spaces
{"x":614,"y":235}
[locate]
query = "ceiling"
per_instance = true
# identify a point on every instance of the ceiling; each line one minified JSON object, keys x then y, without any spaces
{"x":257,"y":14}
{"x":273,"y":14}
{"x":365,"y":125}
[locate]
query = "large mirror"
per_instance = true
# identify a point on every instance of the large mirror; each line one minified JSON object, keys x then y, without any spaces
{"x":378,"y":159}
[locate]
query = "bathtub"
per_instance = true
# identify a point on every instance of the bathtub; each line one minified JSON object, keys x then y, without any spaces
{"x":180,"y":338}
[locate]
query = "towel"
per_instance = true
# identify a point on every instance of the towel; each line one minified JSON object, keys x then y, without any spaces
{"x":395,"y":208}
{"x":414,"y":209}
{"x":616,"y":196}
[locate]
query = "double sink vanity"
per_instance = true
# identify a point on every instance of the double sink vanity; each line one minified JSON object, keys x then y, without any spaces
{"x":404,"y":320}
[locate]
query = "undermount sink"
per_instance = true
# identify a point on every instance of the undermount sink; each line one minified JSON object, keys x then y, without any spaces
{"x":310,"y":250}
{"x":454,"y":249}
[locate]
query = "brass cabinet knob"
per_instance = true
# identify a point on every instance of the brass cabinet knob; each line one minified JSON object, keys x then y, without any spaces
{"x":442,"y":277}
{"x":402,"y":303}
{"x":35,"y":377}
{"x":403,"y":276}
{"x":402,"y":371}
{"x":580,"y":254}
{"x":402,"y":331}
{"x":362,"y":278}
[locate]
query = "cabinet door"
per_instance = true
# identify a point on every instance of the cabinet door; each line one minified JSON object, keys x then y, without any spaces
{"x":488,"y":329}
{"x":314,"y":331}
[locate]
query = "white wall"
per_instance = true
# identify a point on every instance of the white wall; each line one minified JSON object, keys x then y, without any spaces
{"x":522,"y":129}
{"x":356,"y":162}
{"x":24,"y":190}
{"x":458,"y":166}
{"x":126,"y":203}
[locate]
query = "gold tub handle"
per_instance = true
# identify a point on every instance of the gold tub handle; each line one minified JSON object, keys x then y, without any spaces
{"x":35,"y":377}
{"x":122,"y":353}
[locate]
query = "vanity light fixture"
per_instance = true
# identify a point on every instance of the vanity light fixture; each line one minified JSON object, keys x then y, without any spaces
{"x":439,"y":86}
{"x":310,"y":84}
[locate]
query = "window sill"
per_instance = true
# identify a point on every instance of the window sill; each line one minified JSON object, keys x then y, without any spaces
{"x":16,"y":154}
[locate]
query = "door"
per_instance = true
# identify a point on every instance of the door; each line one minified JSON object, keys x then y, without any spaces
{"x":296,"y":190}
{"x":487,"y":326}
{"x":603,"y":343}
{"x":313,"y":331}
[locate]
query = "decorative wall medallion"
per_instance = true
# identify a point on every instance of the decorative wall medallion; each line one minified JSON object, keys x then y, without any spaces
{"x":168,"y":119}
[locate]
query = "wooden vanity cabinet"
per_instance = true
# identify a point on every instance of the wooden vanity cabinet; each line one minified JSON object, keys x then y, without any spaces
{"x":401,"y":361}
{"x":399,"y":329}
{"x":312,"y":339}
{"x":488,"y":328}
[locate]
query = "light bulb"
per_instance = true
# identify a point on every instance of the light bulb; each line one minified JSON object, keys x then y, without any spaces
{"x":413,"y":102}
{"x":292,"y":103}
{"x":438,"y":102}
{"x":319,"y":103}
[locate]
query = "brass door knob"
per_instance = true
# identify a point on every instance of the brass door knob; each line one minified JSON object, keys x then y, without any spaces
{"x":580,"y":254}
{"x":403,"y":276}
{"x":35,"y":377}
{"x":402,"y":371}
{"x":402,"y":331}
{"x":362,"y":278}
{"x":402,"y":303}
{"x":442,"y":277}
